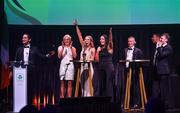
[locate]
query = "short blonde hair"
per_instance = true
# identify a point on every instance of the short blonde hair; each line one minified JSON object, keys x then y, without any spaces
{"x":67,"y":36}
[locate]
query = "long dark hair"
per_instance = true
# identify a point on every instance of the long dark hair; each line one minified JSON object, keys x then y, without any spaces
{"x":106,"y":40}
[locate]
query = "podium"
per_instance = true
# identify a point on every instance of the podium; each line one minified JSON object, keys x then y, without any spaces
{"x":19,"y":85}
{"x":79,"y":76}
{"x":141,"y":84}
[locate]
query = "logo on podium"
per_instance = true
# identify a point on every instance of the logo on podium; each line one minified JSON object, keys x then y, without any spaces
{"x":20,"y":77}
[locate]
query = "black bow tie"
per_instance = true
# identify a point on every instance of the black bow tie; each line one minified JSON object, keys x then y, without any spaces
{"x":130,"y":48}
{"x":26,"y":46}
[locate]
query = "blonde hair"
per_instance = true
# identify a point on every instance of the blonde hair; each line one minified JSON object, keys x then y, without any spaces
{"x":67,"y":36}
{"x":91,"y":41}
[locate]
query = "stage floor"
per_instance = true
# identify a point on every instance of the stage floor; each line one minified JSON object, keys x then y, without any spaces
{"x":174,"y":110}
{"x":6,"y":108}
{"x":83,"y":105}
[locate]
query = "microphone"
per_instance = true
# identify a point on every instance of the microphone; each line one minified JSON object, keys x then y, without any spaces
{"x":84,"y":56}
{"x":68,"y":64}
{"x":21,"y":62}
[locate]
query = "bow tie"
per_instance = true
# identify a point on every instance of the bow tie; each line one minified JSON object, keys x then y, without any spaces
{"x":130,"y":48}
{"x":26,"y":46}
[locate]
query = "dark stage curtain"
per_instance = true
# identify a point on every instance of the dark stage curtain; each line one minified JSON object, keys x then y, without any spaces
{"x":50,"y":37}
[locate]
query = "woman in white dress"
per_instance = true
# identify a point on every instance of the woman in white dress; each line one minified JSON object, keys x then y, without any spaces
{"x":66,"y":52}
{"x":87,"y":53}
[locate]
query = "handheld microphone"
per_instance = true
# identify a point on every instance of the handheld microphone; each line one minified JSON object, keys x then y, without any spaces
{"x":21,"y":62}
{"x":84,"y":56}
{"x":68,"y":64}
{"x":101,"y":46}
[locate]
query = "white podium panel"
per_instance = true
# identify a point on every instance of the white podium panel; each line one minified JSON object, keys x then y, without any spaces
{"x":19,"y":88}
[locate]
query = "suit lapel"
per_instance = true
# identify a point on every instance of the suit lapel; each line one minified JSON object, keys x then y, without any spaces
{"x":134,"y":53}
{"x":125,"y":50}
{"x":22,"y":53}
{"x":30,"y":52}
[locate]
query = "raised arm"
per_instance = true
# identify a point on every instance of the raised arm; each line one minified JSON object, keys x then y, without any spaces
{"x":79,"y":33}
{"x":110,"y":43}
{"x":164,"y":53}
{"x":110,"y":38}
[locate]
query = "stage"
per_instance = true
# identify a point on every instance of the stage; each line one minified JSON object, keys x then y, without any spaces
{"x":84,"y":105}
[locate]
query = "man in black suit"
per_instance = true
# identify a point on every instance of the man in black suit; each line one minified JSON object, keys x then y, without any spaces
{"x":162,"y":68}
{"x":155,"y":40}
{"x":133,"y":53}
{"x":27,"y":55}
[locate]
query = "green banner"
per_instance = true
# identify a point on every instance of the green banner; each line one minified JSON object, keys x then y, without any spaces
{"x":92,"y":12}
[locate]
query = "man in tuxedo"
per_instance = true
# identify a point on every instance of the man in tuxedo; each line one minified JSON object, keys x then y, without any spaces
{"x":27,"y":55}
{"x":155,"y":40}
{"x":133,"y":53}
{"x":162,"y":68}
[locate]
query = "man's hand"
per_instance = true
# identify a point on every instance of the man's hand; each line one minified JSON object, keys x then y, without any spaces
{"x":159,"y":44}
{"x":51,"y":53}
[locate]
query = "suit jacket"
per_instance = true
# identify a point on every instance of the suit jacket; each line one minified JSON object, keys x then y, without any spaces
{"x":34,"y":54}
{"x":163,"y":59}
{"x":137,"y":53}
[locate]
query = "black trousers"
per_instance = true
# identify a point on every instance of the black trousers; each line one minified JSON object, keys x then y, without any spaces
{"x":96,"y":80}
{"x":106,"y":76}
{"x":161,"y":89}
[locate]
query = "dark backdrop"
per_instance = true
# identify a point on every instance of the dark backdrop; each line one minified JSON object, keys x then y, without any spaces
{"x":50,"y":37}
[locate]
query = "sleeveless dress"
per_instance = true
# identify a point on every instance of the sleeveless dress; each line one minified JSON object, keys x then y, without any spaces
{"x":85,"y":85}
{"x":66,"y":70}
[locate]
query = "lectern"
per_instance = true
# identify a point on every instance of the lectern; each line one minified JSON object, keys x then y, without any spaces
{"x":83,"y":62}
{"x":19,"y":85}
{"x":141,"y":84}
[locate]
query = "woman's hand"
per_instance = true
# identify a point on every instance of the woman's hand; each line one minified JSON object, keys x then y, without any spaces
{"x":75,"y":22}
{"x":99,"y":49}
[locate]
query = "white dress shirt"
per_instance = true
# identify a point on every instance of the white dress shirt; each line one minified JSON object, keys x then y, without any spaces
{"x":26,"y":54}
{"x":129,"y":56}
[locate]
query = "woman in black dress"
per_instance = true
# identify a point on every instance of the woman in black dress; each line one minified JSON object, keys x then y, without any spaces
{"x":104,"y":56}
